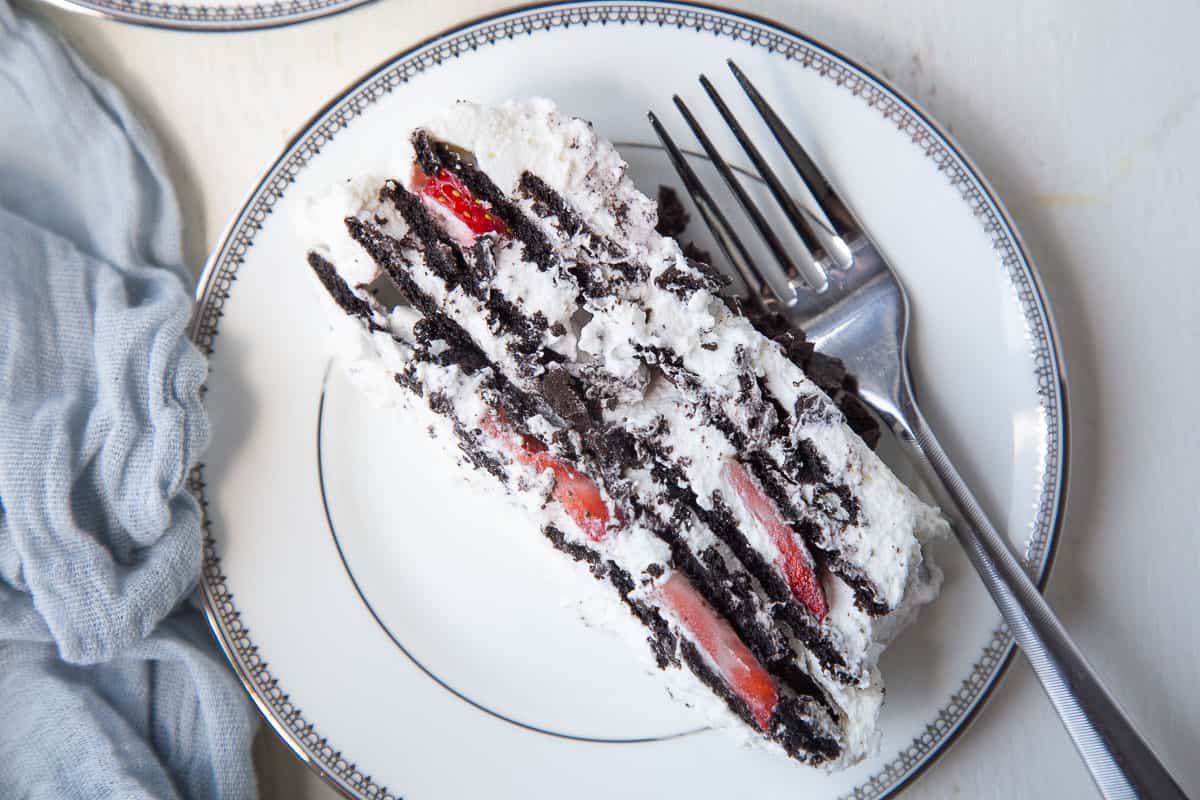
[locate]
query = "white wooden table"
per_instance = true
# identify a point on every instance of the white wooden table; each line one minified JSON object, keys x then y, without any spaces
{"x":1086,"y":119}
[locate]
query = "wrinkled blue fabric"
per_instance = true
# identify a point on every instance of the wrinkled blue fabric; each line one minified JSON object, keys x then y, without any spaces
{"x":110,"y":683}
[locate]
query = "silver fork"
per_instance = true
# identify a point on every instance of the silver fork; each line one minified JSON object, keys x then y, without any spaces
{"x":850,"y":303}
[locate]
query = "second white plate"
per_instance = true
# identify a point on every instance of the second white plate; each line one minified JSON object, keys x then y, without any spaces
{"x":211,"y":15}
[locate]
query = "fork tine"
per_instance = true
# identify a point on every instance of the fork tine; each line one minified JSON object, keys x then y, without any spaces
{"x":796,"y":216}
{"x":760,"y":223}
{"x":827,"y":198}
{"x":727,"y":239}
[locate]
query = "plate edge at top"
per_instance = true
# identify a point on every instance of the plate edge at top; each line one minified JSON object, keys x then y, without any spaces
{"x":208,"y":18}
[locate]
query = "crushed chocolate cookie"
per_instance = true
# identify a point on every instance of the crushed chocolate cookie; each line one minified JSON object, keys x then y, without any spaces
{"x":673,"y":218}
{"x":859,"y":418}
{"x":794,"y":729}
{"x":533,"y":187}
{"x":441,"y":258}
{"x":426,"y":158}
{"x":575,"y":551}
{"x":693,"y":253}
{"x":806,"y":463}
{"x":502,"y":315}
{"x":685,"y":284}
{"x":634,"y":273}
{"x":713,"y":275}
{"x":558,"y":387}
{"x":826,"y":371}
{"x":408,"y":379}
{"x":483,"y":261}
{"x":340,"y":291}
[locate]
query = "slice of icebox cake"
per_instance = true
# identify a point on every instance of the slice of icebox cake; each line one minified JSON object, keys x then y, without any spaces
{"x":682,"y":451}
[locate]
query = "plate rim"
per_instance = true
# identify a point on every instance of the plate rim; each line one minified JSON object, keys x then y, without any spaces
{"x":1000,"y":645}
{"x":211,"y":17}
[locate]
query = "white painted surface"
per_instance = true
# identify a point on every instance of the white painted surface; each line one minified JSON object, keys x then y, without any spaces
{"x":1084,"y":117}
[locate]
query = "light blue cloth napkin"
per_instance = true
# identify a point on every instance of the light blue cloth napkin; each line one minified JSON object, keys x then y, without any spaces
{"x":111,"y":685}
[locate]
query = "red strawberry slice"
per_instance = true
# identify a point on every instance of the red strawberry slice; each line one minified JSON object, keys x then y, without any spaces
{"x":794,"y":558}
{"x":711,"y":633}
{"x":447,"y":190}
{"x":579,"y":495}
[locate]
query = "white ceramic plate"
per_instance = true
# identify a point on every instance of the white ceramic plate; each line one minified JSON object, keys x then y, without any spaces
{"x":211,"y":15}
{"x":409,"y":636}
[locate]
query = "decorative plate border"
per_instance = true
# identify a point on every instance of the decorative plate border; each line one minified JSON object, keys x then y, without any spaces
{"x":211,"y":16}
{"x":216,"y":283}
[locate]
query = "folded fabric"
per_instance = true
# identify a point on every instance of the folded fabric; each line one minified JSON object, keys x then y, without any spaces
{"x":110,"y":683}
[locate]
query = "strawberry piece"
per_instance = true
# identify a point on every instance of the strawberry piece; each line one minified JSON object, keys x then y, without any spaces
{"x":711,"y":633}
{"x":447,"y":190}
{"x":579,"y":496}
{"x":794,"y":558}
{"x":495,"y":425}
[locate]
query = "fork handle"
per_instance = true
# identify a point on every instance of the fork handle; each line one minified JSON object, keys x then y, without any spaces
{"x":1120,"y":760}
